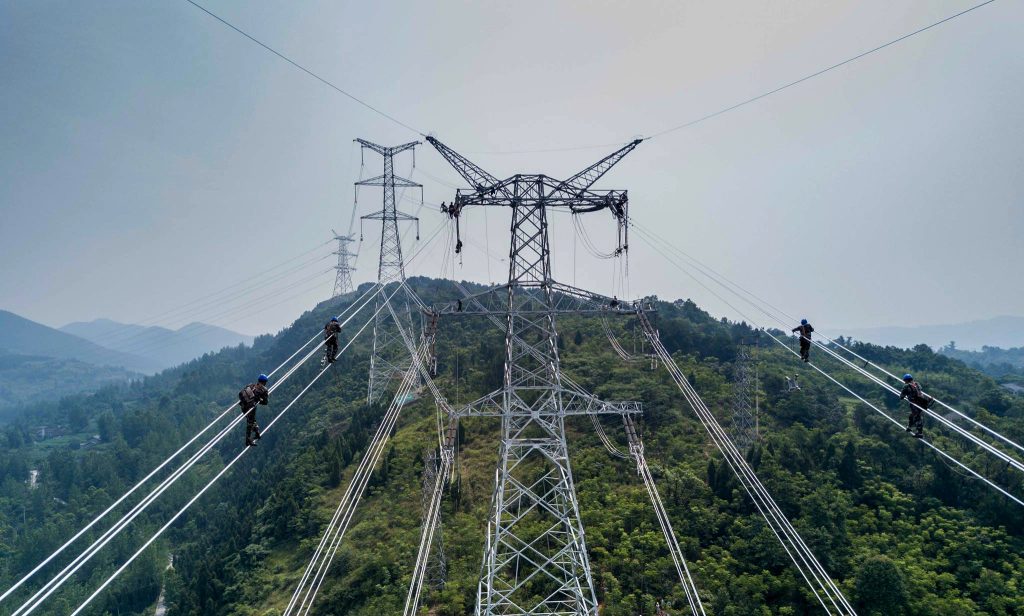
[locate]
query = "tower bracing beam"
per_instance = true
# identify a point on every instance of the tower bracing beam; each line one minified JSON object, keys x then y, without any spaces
{"x":389,"y":360}
{"x":535,"y":558}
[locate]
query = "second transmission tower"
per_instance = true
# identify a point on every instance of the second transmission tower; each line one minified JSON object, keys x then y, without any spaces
{"x":744,"y":415}
{"x":345,"y":266}
{"x":389,"y":358}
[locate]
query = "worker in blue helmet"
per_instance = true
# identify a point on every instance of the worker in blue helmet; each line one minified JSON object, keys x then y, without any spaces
{"x":805,"y":330}
{"x":331,"y":339}
{"x":251,"y":395}
{"x":919,"y":401}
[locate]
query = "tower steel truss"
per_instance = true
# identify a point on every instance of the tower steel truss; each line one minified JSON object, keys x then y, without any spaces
{"x":743,"y":429}
{"x":389,"y":360}
{"x":535,"y":557}
{"x":345,"y":266}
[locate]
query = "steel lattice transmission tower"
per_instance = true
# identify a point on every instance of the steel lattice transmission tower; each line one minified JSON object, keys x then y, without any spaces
{"x":389,"y":359}
{"x":744,"y":422}
{"x":437,"y":566}
{"x":345,"y":266}
{"x":535,"y":558}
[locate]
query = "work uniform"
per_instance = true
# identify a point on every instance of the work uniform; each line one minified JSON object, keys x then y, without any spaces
{"x":805,"y":340}
{"x":331,"y":340}
{"x":918,"y":402}
{"x":249,"y":397}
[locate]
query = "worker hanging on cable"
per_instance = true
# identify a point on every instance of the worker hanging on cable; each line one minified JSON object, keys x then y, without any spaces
{"x":331,"y":339}
{"x":805,"y":330}
{"x":251,"y":395}
{"x":919,"y":401}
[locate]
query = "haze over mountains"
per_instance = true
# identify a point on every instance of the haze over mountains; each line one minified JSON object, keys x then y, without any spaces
{"x":165,"y":346}
{"x":21,"y":336}
{"x":37,"y":361}
{"x":1004,"y":331}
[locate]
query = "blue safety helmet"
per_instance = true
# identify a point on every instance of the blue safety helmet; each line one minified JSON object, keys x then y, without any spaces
{"x":908,"y":377}
{"x":803,"y":321}
{"x":334,"y":319}
{"x":263,"y":378}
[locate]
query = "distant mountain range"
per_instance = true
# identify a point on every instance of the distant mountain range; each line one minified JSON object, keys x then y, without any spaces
{"x":165,"y":346}
{"x":20,"y":336}
{"x":1005,"y":332}
{"x":38,"y":362}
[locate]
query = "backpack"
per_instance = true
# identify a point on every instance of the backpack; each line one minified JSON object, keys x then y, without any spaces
{"x":247,"y":397}
{"x":919,"y":397}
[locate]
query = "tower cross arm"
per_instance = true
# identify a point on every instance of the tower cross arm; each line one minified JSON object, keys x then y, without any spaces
{"x":480,"y":180}
{"x":384,"y":215}
{"x":579,"y":184}
{"x":385,"y":151}
{"x":379,"y":180}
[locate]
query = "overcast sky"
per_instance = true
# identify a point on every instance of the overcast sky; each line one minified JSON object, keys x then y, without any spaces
{"x":151,"y":156}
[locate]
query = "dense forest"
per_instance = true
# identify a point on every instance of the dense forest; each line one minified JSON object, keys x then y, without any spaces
{"x":993,"y":360}
{"x":29,"y":378}
{"x":899,"y":529}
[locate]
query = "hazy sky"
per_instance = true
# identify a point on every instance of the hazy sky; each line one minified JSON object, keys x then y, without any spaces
{"x":150,"y":156}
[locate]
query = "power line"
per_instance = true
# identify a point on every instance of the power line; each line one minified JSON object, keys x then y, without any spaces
{"x":817,"y":73}
{"x":215,"y":478}
{"x":736,"y":290}
{"x":59,"y":580}
{"x":946,"y":423}
{"x":610,"y":144}
{"x":302,"y":68}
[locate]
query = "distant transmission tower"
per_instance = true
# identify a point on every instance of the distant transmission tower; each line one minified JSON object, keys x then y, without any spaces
{"x":389,"y":358}
{"x":345,"y":266}
{"x":535,"y":558}
{"x":437,"y":567}
{"x":744,"y":414}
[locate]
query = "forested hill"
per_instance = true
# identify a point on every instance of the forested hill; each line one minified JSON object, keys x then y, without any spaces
{"x":902,"y":532}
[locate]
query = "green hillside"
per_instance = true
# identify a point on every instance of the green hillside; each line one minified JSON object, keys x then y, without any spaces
{"x":902,"y":532}
{"x":28,"y":378}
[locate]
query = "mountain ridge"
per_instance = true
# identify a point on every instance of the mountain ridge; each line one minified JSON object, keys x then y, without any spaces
{"x":168,"y":347}
{"x":22,"y":336}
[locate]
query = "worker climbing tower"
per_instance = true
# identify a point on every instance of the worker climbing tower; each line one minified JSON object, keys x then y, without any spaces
{"x":389,"y":359}
{"x":345,"y":266}
{"x":535,"y":557}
